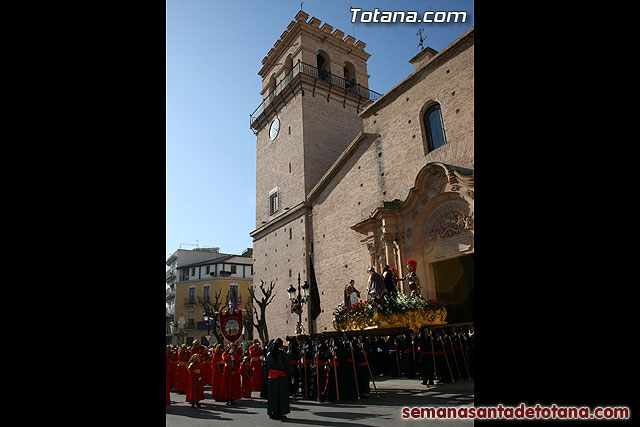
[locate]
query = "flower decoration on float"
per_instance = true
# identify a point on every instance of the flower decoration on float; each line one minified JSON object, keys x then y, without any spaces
{"x":387,"y":311}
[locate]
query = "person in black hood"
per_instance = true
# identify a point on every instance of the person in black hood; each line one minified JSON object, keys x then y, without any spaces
{"x":318,"y":371}
{"x":279,"y":373}
{"x":265,"y":383}
{"x":293,"y":353}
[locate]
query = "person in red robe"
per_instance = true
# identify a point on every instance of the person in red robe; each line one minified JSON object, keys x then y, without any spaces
{"x":231,"y":382}
{"x":195,"y":390}
{"x":256,"y":353}
{"x":246,"y":371}
{"x":173,"y":364}
{"x":182,"y":377}
{"x":217,"y":368}
{"x":205,"y":361}
{"x":168,"y":402}
{"x":196,"y":348}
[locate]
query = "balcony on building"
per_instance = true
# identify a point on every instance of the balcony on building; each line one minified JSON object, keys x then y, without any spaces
{"x":292,"y":83}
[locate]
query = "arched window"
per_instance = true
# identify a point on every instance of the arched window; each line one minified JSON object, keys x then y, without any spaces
{"x":288,"y":63}
{"x":271,"y":90}
{"x":349,"y":75}
{"x":272,"y":83}
{"x":288,"y":67}
{"x":434,"y":128}
{"x":324,"y":65}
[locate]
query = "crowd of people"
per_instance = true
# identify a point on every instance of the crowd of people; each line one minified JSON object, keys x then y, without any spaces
{"x":319,"y":368}
{"x":232,"y":373}
{"x":348,"y":365}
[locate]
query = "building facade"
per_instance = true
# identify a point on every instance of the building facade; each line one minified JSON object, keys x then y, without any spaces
{"x":350,"y":178}
{"x":207,"y":276}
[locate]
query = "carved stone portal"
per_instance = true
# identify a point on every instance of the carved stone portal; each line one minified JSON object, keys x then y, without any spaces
{"x":449,"y":224}
{"x":447,"y":220}
{"x":434,"y":223}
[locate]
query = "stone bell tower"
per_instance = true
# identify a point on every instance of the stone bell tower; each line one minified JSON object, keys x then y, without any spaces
{"x":314,"y":84}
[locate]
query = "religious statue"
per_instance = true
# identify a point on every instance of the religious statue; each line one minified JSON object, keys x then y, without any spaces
{"x":375,"y":284}
{"x":412,"y":278}
{"x":389,"y":282}
{"x":351,"y":294}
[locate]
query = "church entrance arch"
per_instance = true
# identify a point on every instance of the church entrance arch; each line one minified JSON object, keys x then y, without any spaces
{"x":445,"y":246}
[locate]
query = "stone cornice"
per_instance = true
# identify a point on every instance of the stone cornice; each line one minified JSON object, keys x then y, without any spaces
{"x":285,"y":217}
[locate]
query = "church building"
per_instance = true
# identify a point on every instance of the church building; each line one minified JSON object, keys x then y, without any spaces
{"x":348,"y":178}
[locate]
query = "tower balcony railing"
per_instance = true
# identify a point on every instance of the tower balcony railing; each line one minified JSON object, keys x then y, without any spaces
{"x":362,"y":92}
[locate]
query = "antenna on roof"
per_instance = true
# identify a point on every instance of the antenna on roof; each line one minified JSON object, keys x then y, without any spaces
{"x":421,"y":39}
{"x":189,"y":244}
{"x":301,"y":5}
{"x":353,"y":27}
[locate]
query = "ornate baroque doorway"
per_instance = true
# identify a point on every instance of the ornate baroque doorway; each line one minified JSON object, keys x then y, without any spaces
{"x":435,"y":227}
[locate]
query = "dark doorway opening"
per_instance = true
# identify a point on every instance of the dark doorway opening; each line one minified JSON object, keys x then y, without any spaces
{"x":454,"y":280}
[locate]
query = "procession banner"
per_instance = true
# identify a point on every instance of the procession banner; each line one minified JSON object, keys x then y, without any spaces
{"x":231,"y":326}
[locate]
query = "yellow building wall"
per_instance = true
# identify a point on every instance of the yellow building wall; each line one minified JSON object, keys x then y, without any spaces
{"x":216,"y":284}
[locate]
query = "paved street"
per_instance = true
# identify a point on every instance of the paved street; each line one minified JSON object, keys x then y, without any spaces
{"x":373,"y":411}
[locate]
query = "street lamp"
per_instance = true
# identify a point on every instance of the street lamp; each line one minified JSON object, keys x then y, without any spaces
{"x":292,"y":292}
{"x":297,"y":301}
{"x":208,"y":318}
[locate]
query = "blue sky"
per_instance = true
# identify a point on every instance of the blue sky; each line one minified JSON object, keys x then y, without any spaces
{"x":214,"y":52}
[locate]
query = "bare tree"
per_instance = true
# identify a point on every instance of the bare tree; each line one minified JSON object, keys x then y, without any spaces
{"x":268,"y":296}
{"x":213,"y":308}
{"x":247,"y":319}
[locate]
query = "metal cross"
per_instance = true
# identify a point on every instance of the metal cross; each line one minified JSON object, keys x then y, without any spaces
{"x":421,"y":39}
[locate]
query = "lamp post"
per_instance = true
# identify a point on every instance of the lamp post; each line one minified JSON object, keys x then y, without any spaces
{"x":297,"y":301}
{"x":208,"y":319}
